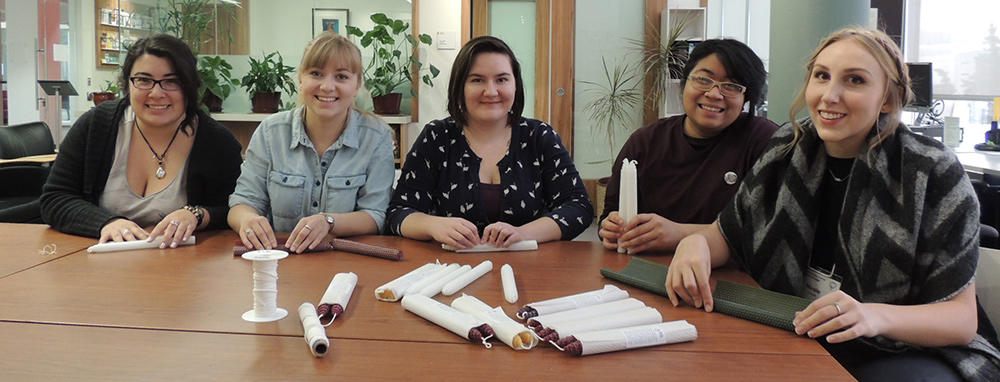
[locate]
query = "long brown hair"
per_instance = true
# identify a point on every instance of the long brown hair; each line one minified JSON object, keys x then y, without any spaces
{"x":886,"y":53}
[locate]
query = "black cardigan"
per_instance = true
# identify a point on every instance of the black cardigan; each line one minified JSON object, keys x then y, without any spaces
{"x":80,"y":172}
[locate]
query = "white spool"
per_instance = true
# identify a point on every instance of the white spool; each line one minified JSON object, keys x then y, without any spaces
{"x":265,"y":286}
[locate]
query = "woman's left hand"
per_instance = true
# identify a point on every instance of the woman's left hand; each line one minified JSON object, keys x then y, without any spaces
{"x":308,"y":233}
{"x":175,"y":228}
{"x":501,"y":234}
{"x":840,"y":313}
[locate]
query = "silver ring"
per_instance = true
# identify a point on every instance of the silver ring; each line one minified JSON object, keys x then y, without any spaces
{"x":125,"y":231}
{"x":836,"y":305}
{"x":174,"y":222}
{"x":308,"y":227}
{"x":249,"y":231}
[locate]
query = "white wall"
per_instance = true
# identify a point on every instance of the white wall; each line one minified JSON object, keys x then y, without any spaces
{"x":602,"y":31}
{"x":438,"y":16}
{"x":286,"y":27}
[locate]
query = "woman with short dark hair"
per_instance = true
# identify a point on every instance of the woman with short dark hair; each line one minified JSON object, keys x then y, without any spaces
{"x":690,"y":165}
{"x":150,"y":161}
{"x":486,"y":174}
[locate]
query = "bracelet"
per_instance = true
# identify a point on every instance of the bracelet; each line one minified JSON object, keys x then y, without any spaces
{"x":198,"y":212}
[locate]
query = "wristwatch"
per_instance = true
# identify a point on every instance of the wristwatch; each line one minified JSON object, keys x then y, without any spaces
{"x":331,"y":221}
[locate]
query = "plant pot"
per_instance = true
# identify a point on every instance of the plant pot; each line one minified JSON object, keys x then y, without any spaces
{"x":212,"y":102}
{"x":265,"y":102}
{"x":99,"y":97}
{"x":599,"y":193}
{"x":387,"y":103}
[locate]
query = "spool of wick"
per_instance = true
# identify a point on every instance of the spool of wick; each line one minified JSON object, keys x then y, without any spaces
{"x":265,"y":286}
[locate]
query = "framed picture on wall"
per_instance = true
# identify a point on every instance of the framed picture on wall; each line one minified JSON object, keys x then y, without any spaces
{"x":330,"y":19}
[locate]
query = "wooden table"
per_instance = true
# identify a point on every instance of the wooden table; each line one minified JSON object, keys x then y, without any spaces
{"x":24,"y":246}
{"x":176,"y":313}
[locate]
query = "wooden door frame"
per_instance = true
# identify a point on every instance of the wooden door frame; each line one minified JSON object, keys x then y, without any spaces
{"x":554,"y":21}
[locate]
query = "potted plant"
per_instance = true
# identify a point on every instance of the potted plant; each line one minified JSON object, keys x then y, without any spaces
{"x":663,"y":63}
{"x":109,"y":92}
{"x":265,"y":81}
{"x":392,"y":47}
{"x":611,"y":109}
{"x":620,"y":93}
{"x":217,"y":81}
{"x":192,"y":20}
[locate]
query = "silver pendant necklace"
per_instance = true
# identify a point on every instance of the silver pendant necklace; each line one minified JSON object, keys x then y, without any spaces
{"x":160,"y":171}
{"x":838,"y":179}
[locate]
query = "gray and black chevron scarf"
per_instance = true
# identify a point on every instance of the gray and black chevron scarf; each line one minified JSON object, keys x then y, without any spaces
{"x":909,"y":227}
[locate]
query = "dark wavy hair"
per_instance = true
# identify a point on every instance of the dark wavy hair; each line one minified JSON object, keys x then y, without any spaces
{"x":460,"y":73}
{"x":741,"y":63}
{"x":185,"y":65}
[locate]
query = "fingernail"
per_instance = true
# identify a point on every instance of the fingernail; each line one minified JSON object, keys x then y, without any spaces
{"x":185,"y":238}
{"x":163,"y":245}
{"x":173,"y":245}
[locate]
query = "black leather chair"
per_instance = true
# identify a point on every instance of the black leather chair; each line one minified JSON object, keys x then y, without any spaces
{"x":988,"y":192}
{"x":22,"y":181}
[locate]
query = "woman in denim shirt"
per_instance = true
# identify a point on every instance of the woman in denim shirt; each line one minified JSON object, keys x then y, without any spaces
{"x":322,"y":168}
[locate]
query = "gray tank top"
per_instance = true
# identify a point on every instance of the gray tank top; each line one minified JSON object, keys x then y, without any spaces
{"x":118,"y":197}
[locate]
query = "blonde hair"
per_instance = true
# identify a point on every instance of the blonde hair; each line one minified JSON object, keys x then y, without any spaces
{"x":331,"y":46}
{"x":886,"y":53}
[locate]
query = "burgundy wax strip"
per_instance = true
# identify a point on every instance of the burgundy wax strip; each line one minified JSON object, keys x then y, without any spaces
{"x":551,"y":336}
{"x":328,"y":310}
{"x":574,"y":348}
{"x":526,"y":313}
{"x":563,"y":342}
{"x":335,"y":245}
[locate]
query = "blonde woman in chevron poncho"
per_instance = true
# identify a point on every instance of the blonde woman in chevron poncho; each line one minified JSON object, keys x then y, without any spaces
{"x":877,"y":224}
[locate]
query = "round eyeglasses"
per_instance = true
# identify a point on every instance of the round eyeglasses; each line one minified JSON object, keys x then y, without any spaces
{"x":705,"y":84}
{"x":146,"y":83}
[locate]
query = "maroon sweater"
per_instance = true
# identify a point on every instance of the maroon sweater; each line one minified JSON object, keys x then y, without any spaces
{"x":684,"y":179}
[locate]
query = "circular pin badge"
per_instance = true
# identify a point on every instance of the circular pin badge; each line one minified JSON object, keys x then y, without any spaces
{"x":730,"y":177}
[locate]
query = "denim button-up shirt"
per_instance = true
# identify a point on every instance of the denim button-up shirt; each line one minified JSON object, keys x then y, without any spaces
{"x":285,"y":180}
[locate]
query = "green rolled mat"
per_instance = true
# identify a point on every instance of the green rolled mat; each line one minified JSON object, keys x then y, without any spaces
{"x":737,"y":300}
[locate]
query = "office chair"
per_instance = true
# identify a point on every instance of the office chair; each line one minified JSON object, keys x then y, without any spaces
{"x":23,"y":181}
{"x":988,"y":193}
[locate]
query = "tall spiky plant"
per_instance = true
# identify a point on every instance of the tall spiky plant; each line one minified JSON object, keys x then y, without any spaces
{"x":664,"y":61}
{"x":614,"y":100}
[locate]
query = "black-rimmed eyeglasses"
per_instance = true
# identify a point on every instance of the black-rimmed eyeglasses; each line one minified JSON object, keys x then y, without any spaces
{"x":146,"y":83}
{"x":705,"y":84}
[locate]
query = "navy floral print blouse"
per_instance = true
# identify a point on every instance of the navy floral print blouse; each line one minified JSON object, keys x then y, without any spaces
{"x":440,"y":177}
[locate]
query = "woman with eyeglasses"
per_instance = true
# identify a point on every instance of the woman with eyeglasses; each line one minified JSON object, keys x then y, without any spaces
{"x":150,"y":164}
{"x":690,"y":165}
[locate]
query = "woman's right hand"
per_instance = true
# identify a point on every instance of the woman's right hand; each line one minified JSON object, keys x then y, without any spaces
{"x":456,"y":232}
{"x":611,"y":230}
{"x":257,"y":233}
{"x":122,"y":230}
{"x":688,"y":275}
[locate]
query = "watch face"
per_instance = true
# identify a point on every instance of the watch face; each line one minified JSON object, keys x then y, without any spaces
{"x":329,"y":219}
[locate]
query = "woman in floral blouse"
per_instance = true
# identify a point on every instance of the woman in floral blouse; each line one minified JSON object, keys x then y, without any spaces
{"x":486,"y":174}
